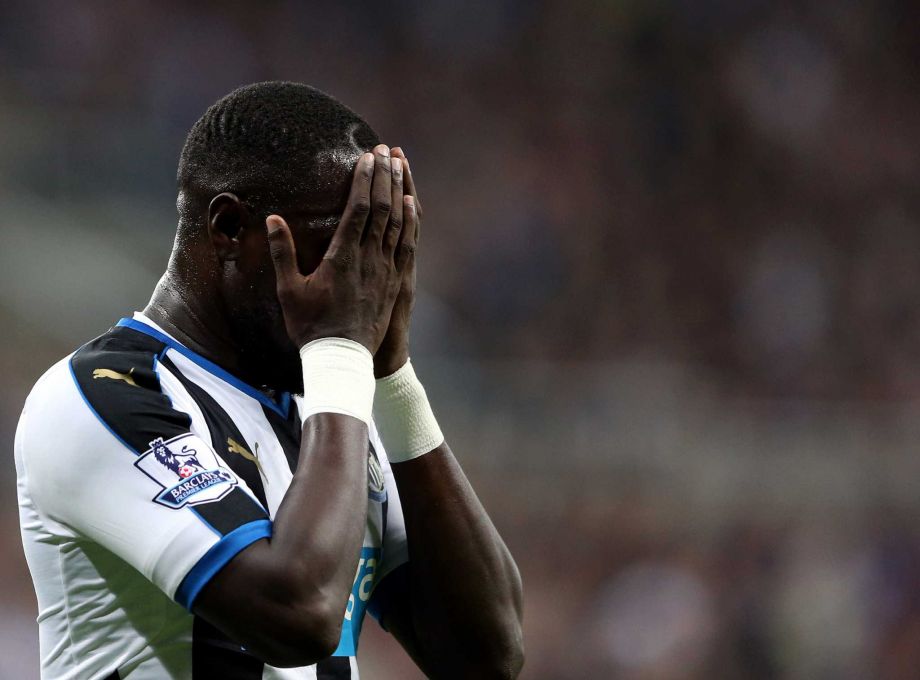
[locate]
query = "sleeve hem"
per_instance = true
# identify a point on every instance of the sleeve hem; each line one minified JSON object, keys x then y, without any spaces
{"x":217,"y":557}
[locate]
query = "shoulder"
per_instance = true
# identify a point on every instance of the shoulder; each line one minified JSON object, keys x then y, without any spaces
{"x":86,"y":410}
{"x":56,"y":432}
{"x":53,"y":407}
{"x":105,"y":394}
{"x":117,"y":377}
{"x":103,"y":368}
{"x":121,"y":363}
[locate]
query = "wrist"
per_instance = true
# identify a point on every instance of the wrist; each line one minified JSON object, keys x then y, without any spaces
{"x":386,"y":366}
{"x":392,"y":354}
{"x":403,"y":416}
{"x":338,"y":377}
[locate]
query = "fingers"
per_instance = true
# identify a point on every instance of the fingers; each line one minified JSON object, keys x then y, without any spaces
{"x":351,"y":226}
{"x":284,"y":257}
{"x":381,"y":196}
{"x":405,"y":251}
{"x":395,"y":225}
{"x":408,"y":180}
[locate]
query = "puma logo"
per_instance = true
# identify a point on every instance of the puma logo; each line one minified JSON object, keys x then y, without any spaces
{"x":115,"y":375}
{"x":234,"y":446}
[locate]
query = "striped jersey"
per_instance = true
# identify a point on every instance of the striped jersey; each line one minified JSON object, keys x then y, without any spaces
{"x":142,"y":469}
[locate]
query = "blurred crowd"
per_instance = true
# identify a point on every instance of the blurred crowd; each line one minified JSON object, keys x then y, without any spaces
{"x":670,"y":271}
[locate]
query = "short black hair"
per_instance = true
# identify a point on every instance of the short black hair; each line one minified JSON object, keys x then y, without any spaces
{"x":259,"y":142}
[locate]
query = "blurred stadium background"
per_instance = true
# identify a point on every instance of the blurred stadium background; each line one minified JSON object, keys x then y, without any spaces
{"x":670,"y":275}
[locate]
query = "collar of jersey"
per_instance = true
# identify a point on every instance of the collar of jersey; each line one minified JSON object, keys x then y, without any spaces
{"x":281,"y":407}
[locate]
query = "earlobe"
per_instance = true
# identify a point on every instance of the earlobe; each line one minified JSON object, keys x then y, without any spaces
{"x":226,"y":215}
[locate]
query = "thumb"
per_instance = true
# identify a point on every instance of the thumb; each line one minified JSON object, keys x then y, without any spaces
{"x":281,"y":247}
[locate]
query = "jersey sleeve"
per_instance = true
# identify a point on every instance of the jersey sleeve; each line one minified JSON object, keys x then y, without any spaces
{"x":109,"y":459}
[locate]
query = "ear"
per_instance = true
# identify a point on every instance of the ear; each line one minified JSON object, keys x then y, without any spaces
{"x":226,"y":217}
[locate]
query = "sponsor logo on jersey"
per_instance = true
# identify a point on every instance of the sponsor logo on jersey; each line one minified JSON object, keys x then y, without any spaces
{"x":187,"y":471}
{"x":356,"y":607}
{"x":234,"y":446}
{"x":115,"y":375}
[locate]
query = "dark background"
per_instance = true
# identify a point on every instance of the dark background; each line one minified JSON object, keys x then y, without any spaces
{"x":669,"y":278}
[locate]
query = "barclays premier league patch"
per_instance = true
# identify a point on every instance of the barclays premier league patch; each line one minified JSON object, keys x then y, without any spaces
{"x":187,"y":470}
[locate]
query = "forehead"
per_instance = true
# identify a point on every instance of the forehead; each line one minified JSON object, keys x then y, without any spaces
{"x":326,"y":183}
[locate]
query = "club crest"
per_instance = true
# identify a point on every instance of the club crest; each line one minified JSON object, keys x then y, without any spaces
{"x":376,"y":488}
{"x":187,"y":470}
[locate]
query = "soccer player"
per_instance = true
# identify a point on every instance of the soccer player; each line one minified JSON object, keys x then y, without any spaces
{"x":183,"y":515}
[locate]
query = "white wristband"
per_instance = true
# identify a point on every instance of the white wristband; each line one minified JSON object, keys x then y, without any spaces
{"x":338,"y":377}
{"x":403,"y":416}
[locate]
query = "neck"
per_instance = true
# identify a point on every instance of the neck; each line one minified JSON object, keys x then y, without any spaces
{"x":177,"y":308}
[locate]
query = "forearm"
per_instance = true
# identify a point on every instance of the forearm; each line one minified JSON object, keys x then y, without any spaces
{"x":290,"y":592}
{"x":319,"y":526}
{"x":465,"y":600}
{"x":317,"y":535}
{"x":304,"y":573}
{"x":459,"y":611}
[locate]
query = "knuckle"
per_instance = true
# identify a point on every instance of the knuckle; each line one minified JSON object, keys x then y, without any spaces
{"x":361,"y":206}
{"x":344,"y":261}
{"x":382,"y":205}
{"x":275,"y":249}
{"x":408,"y":249}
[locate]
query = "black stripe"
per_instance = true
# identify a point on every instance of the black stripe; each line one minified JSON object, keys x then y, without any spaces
{"x":288,"y":433}
{"x":113,"y":676}
{"x":334,"y":668}
{"x":216,"y":657}
{"x":116,"y":375}
{"x":222,"y":429}
{"x":231,"y":512}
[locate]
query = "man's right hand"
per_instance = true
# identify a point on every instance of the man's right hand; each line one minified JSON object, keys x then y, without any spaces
{"x":352,"y":291}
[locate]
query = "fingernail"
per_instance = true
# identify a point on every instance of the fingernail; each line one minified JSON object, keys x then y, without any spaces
{"x":368,"y":158}
{"x":383,"y":150}
{"x":410,"y":200}
{"x":396,"y":167}
{"x":273,"y":223}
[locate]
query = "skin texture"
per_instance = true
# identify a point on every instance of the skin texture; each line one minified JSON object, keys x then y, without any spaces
{"x":339,"y":263}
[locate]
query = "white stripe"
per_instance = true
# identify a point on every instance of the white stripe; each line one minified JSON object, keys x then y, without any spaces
{"x":302,"y":673}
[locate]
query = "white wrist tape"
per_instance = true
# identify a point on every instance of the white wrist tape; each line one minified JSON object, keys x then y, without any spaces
{"x":403,"y":416}
{"x":338,"y":377}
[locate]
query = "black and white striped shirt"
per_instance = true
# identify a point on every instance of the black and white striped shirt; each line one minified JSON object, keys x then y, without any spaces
{"x":142,"y":469}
